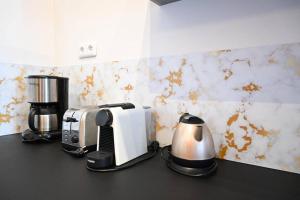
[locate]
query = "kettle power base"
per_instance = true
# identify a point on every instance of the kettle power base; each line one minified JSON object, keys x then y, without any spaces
{"x":188,"y":171}
{"x":192,"y":171}
{"x":29,"y":136}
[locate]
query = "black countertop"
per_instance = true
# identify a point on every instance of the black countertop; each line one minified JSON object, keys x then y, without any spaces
{"x":44,"y":171}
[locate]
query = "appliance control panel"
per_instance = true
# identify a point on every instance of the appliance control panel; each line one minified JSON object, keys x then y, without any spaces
{"x":70,"y":132}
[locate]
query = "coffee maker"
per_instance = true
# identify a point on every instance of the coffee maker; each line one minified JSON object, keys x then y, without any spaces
{"x":121,"y":138}
{"x":48,"y":98}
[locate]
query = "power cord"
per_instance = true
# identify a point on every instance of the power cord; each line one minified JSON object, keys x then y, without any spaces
{"x":165,"y":152}
{"x":80,"y":152}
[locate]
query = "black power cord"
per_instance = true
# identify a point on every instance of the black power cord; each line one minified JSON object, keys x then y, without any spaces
{"x":165,"y":152}
{"x":80,"y":152}
{"x":152,"y":151}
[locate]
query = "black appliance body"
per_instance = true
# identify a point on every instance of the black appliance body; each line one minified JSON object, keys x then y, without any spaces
{"x":48,"y":98}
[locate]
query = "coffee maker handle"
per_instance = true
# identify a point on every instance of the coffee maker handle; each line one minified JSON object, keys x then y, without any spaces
{"x":31,"y":119}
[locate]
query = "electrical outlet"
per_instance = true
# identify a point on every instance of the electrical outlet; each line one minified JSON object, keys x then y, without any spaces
{"x":87,"y":50}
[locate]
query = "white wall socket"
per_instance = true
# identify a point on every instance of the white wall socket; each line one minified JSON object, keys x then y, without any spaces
{"x":87,"y":50}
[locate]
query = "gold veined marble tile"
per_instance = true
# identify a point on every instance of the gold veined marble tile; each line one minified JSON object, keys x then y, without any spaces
{"x":175,"y":126}
{"x":251,"y":87}
{"x":260,"y":157}
{"x":161,"y":62}
{"x":20,"y":79}
{"x":249,"y":97}
{"x":18,"y":129}
{"x":297,"y":161}
{"x":232,"y":119}
{"x":14,"y":101}
{"x":85,"y":93}
{"x":183,"y":62}
{"x":231,"y":141}
{"x":246,"y":60}
{"x":4,"y":118}
{"x":117,"y":78}
{"x":219,"y":52}
{"x":100,"y":93}
{"x":227,"y":73}
{"x":175,"y":78}
{"x":259,"y":131}
{"x":294,"y":63}
{"x":89,"y":80}
{"x":237,"y":157}
{"x":88,"y":84}
{"x":222,"y":151}
{"x":158,"y":127}
{"x":193,"y":96}
{"x":272,"y":60}
{"x":128,"y":87}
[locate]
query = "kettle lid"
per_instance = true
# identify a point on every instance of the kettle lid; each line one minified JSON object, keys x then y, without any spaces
{"x":190,"y":119}
{"x":44,"y":77}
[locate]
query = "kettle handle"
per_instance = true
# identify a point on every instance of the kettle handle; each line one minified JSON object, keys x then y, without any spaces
{"x":199,"y":134}
{"x":32,"y":113}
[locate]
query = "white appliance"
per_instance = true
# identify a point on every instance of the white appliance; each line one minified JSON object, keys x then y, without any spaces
{"x":122,"y":136}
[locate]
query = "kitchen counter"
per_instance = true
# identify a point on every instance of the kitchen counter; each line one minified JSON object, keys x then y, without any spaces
{"x":44,"y":171}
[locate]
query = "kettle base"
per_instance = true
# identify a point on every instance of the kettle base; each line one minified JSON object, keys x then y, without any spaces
{"x":207,"y":169}
{"x":29,"y":136}
{"x":192,"y":171}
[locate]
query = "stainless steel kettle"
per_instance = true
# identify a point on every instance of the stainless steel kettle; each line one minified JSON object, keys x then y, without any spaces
{"x":192,"y":151}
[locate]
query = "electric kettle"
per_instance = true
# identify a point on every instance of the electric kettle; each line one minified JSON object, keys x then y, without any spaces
{"x":192,"y":151}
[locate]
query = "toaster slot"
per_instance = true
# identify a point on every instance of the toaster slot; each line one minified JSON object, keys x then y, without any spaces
{"x":66,"y":127}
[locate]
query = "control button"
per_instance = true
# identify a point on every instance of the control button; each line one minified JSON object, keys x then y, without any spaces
{"x":75,"y":139}
{"x":75,"y":132}
{"x":66,"y":135}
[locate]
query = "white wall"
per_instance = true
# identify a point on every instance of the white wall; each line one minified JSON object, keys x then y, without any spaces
{"x":26,"y":32}
{"x":202,"y":25}
{"x":130,"y":29}
{"x":117,"y":26}
{"x":47,"y":32}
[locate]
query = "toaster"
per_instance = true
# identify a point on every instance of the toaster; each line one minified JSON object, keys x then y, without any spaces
{"x":79,"y":130}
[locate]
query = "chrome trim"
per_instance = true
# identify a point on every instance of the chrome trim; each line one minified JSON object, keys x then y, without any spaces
{"x":42,"y":90}
{"x":46,"y":122}
{"x":88,"y":128}
{"x":85,"y":128}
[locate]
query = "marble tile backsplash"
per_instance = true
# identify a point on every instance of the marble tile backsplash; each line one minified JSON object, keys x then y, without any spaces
{"x":250,"y":98}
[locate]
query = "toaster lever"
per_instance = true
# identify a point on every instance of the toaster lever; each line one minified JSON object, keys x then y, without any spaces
{"x":70,"y":119}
